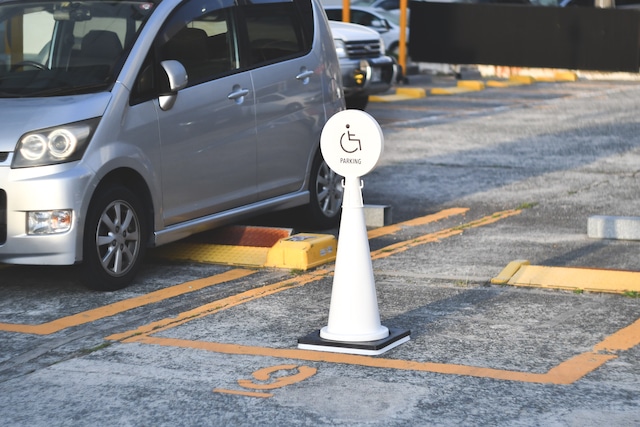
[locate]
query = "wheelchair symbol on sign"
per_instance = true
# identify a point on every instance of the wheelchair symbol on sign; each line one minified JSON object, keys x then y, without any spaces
{"x":351,"y":142}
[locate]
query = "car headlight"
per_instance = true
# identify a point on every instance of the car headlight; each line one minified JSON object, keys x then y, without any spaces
{"x":341,"y":48}
{"x":59,"y":144}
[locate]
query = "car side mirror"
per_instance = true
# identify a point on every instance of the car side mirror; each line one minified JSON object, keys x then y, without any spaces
{"x":178,"y":79}
{"x":381,"y":25}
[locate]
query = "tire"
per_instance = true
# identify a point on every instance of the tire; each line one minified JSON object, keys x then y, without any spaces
{"x":112,"y":253}
{"x":327,"y":193}
{"x":357,"y":102}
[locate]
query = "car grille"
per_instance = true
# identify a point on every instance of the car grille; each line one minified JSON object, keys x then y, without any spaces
{"x":363,"y":49}
{"x":3,"y":217}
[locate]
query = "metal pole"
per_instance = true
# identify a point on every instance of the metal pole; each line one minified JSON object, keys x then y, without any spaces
{"x":402,"y":52}
{"x":346,"y":11}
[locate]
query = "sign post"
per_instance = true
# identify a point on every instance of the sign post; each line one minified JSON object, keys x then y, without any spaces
{"x":351,"y":144}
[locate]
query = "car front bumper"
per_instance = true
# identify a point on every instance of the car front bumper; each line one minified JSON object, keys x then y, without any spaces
{"x":368,"y":76}
{"x":58,"y":187}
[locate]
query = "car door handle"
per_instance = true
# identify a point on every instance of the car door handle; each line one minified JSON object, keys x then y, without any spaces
{"x":305,"y":75}
{"x":237,"y":94}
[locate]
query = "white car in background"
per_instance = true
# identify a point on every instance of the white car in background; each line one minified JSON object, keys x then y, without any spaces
{"x":392,"y":6}
{"x":385,"y":23}
{"x":365,"y":69}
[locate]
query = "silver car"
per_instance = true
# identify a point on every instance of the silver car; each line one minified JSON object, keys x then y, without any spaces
{"x":129,"y":124}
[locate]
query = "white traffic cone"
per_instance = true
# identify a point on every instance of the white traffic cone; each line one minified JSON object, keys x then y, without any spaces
{"x":353,"y":314}
{"x":351,"y":143}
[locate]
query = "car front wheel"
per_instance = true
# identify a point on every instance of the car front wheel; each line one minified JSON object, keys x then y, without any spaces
{"x":114,"y":240}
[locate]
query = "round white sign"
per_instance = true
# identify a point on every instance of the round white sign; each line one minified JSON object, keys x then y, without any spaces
{"x":352,"y":143}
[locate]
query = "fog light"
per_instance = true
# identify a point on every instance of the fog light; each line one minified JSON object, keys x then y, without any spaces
{"x":48,"y":222}
{"x":362,"y":73}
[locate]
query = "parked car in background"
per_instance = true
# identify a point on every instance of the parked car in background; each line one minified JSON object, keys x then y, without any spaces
{"x":128,"y":124}
{"x":365,"y":69}
{"x":392,"y":6}
{"x":385,"y":23}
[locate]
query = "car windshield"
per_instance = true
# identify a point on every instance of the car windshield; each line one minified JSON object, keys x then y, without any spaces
{"x":378,"y":4}
{"x":50,"y":48}
{"x":363,"y":2}
{"x":391,"y":17}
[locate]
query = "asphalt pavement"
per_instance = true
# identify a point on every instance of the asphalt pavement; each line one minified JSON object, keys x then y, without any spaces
{"x":486,"y":261}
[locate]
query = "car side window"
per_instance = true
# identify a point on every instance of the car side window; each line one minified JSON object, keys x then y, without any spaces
{"x":201,"y":35}
{"x":362,"y":18}
{"x":214,"y":38}
{"x":277,"y":30}
{"x":334,"y":14}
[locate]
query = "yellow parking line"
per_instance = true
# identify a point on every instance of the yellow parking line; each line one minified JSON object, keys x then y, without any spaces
{"x":301,"y":280}
{"x":128,"y":304}
{"x":622,"y":340}
{"x":118,"y":307}
{"x":443,"y":234}
{"x":222,"y":304}
{"x":566,"y":372}
{"x":393,"y":228}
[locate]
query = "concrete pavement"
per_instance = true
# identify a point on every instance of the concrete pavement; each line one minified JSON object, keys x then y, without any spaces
{"x":476,"y":181}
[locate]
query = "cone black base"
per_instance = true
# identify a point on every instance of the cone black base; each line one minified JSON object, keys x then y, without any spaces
{"x":396,"y":337}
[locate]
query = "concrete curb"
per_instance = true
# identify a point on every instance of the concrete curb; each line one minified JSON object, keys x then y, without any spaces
{"x":521,"y":273}
{"x":614,"y":227}
{"x":465,"y":86}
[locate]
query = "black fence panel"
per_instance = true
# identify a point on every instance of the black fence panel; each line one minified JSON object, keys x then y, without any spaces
{"x":525,"y":36}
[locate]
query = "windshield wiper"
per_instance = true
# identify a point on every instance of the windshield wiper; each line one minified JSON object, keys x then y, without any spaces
{"x":69,"y":90}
